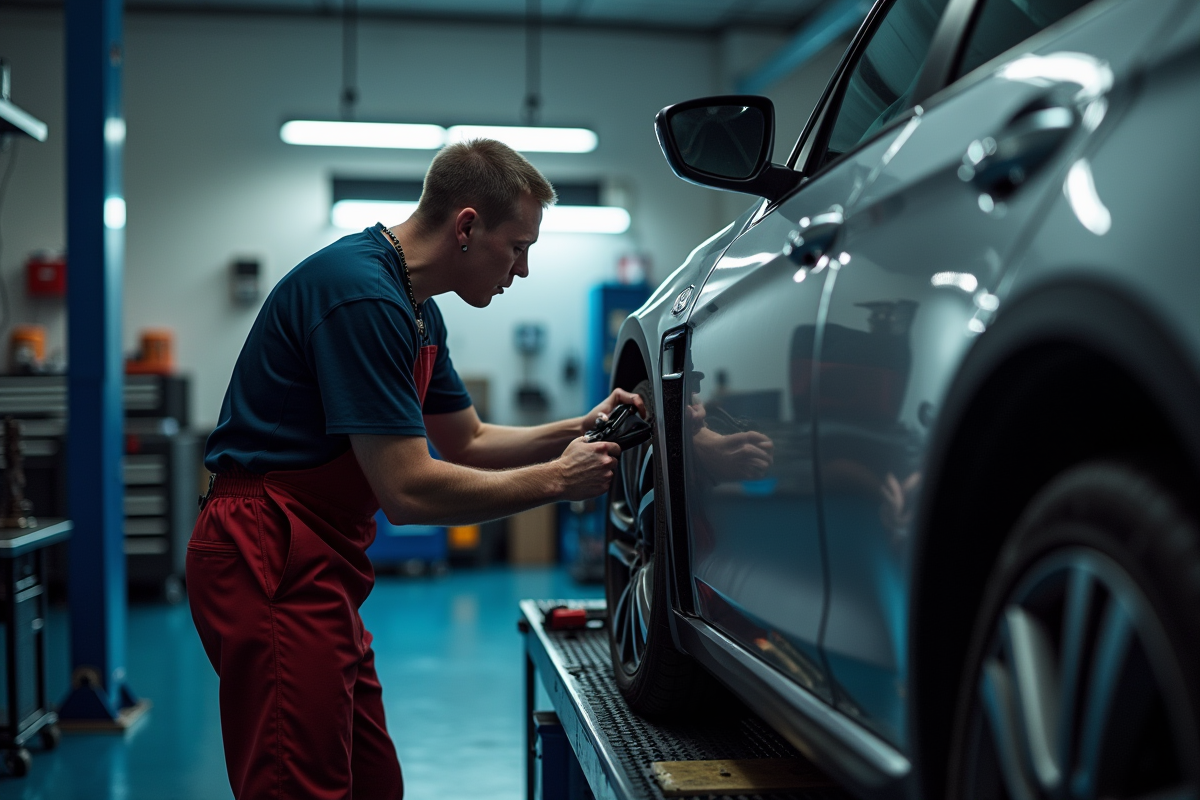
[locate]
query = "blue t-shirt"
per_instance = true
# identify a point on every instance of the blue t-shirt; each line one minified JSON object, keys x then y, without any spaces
{"x":331,"y":353}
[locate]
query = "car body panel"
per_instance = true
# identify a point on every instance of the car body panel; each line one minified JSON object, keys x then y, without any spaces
{"x":928,"y":256}
{"x":756,"y":544}
{"x":1146,"y":250}
{"x":836,"y":524}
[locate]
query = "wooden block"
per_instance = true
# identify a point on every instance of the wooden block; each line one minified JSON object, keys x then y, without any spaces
{"x":532,"y":536}
{"x":749,"y":776}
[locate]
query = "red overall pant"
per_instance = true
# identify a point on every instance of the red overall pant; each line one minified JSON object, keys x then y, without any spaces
{"x":276,"y":572}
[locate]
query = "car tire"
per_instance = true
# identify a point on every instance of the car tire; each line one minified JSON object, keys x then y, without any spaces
{"x":1083,"y":677}
{"x":656,"y":679}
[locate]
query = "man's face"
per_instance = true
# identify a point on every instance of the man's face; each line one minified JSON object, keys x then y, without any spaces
{"x":498,"y":256}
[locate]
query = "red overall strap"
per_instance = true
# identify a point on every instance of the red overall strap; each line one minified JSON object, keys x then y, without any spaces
{"x":423,"y":369}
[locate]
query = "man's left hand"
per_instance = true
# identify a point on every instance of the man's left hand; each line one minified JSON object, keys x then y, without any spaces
{"x":618,"y":397}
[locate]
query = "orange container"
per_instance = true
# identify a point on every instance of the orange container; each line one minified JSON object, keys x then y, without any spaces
{"x":157,"y":353}
{"x":26,"y":347}
{"x":463,"y":537}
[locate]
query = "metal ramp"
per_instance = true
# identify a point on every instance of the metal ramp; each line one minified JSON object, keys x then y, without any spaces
{"x":614,"y":747}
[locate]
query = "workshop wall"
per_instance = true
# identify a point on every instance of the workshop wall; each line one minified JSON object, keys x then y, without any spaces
{"x":208,"y":180}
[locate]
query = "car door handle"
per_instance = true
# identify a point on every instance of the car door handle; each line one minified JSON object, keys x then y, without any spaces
{"x":814,"y":238}
{"x":1000,"y":165}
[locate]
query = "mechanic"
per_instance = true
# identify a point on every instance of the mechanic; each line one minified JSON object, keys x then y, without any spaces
{"x":344,"y":375}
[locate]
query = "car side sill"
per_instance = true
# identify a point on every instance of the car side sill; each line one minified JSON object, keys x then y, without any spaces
{"x":834,"y":742}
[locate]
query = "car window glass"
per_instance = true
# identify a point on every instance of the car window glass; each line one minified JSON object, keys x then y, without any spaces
{"x":1003,"y":24}
{"x":881,"y":84}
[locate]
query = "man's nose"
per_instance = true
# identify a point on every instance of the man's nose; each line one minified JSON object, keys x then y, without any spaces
{"x":521,"y":268}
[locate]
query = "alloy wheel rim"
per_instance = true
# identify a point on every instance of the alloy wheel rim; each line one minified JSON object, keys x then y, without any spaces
{"x":632,"y":517}
{"x":1074,"y":697}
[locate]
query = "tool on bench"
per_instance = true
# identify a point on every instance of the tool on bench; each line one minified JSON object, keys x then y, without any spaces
{"x":565,"y":618}
{"x":622,"y":426}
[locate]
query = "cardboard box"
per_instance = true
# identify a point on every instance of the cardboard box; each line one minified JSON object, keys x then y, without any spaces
{"x":533,"y":535}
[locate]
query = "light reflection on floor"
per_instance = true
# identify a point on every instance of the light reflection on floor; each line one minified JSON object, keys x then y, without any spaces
{"x":449,"y":658}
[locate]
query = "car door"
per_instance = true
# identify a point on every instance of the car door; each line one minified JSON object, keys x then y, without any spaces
{"x":927,"y":245}
{"x":756,"y":549}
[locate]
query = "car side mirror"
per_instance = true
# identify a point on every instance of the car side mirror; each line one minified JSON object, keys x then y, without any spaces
{"x":725,"y":142}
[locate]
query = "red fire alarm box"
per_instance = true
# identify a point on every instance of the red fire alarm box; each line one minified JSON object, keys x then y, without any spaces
{"x":46,"y":276}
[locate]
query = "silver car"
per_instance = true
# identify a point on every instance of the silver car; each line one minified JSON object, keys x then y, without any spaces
{"x":925,"y":477}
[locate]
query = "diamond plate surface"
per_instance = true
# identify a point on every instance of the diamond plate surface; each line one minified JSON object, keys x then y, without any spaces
{"x":637,"y":743}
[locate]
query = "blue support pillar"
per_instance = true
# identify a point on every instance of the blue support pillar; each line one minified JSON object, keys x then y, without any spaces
{"x":95,"y":245}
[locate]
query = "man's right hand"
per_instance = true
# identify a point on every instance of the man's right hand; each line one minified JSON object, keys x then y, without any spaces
{"x":586,"y":468}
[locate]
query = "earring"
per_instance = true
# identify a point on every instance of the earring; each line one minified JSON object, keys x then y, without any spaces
{"x":464,"y":248}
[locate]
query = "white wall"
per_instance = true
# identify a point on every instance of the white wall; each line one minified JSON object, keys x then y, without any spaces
{"x":207,"y":178}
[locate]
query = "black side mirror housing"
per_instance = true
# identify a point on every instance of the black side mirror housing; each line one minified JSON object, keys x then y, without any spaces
{"x":725,"y":142}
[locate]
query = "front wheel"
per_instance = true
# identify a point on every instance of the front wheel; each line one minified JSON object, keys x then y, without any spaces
{"x":1084,"y":676}
{"x":653,"y":676}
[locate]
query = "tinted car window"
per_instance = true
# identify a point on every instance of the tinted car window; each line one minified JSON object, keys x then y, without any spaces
{"x":1006,"y":23}
{"x":881,"y":84}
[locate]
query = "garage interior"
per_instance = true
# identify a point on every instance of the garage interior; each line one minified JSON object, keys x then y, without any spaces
{"x":148,"y":208}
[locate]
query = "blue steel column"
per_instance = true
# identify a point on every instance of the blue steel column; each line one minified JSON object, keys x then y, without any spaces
{"x":95,"y":247}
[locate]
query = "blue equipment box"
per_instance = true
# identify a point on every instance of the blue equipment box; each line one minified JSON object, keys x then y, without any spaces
{"x":397,"y":544}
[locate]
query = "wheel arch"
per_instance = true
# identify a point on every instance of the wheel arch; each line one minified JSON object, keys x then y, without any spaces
{"x":631,"y":365}
{"x":1031,"y":399}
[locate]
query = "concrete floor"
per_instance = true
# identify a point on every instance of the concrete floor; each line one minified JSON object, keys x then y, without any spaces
{"x":448,"y":654}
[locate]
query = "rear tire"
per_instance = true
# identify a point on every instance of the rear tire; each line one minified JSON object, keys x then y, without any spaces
{"x":656,"y":679}
{"x":1083,"y":678}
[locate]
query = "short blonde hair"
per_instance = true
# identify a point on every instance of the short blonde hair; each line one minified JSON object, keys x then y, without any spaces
{"x":483,"y":174}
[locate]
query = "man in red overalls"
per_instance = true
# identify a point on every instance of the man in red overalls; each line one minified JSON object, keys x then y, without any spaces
{"x":344,"y":375}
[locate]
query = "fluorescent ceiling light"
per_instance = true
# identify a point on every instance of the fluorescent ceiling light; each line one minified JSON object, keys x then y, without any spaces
{"x":358,"y":214}
{"x":355,"y":215}
{"x":585,"y":219}
{"x":395,"y":135}
{"x":405,"y":136}
{"x":529,"y":140}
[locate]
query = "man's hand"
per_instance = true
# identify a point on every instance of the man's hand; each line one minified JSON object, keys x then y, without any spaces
{"x":618,"y":397}
{"x":586,"y":468}
{"x":744,"y":456}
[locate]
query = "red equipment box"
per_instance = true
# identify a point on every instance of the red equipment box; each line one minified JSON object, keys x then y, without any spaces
{"x":46,"y":276}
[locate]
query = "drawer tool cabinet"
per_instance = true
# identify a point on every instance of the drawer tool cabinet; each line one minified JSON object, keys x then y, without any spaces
{"x":613,"y":747}
{"x":24,"y":709}
{"x":161,"y":469}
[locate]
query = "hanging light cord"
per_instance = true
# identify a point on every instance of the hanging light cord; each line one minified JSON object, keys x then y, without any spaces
{"x":533,"y":60}
{"x":349,"y":58}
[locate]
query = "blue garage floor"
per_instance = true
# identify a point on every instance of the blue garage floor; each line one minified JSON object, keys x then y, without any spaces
{"x":448,"y":655}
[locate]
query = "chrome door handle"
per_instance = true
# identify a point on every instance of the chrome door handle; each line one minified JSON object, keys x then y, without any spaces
{"x":814,"y":238}
{"x":1000,"y":165}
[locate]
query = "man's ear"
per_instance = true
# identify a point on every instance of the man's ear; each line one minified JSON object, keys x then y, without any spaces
{"x":466,"y":222}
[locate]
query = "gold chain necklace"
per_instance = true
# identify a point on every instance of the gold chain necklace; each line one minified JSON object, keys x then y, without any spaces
{"x":412,"y":298}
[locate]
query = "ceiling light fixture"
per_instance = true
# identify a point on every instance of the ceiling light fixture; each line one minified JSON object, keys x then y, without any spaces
{"x":528,"y":139}
{"x":354,"y":215}
{"x":585,"y":219}
{"x":358,"y":214}
{"x":412,"y":136}
{"x":332,"y":133}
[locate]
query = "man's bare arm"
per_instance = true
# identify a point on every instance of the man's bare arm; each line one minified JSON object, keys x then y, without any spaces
{"x":414,"y":488}
{"x":462,"y":438}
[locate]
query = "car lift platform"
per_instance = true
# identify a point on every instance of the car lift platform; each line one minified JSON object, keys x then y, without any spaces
{"x":615,"y":749}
